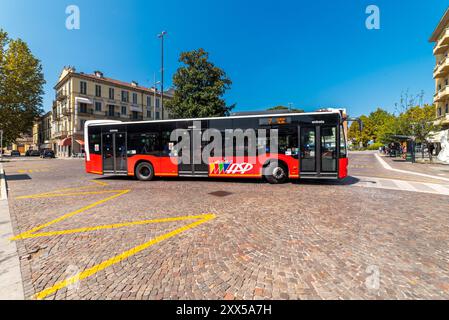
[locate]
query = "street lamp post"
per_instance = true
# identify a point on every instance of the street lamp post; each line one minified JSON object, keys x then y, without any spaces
{"x":1,"y":144}
{"x":155,"y":96}
{"x":161,"y":36}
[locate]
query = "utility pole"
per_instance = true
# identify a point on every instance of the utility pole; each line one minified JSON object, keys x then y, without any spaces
{"x":161,"y":36}
{"x":1,"y":145}
{"x":155,"y":83}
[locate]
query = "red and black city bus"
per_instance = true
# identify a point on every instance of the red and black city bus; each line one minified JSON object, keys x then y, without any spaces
{"x":310,"y":145}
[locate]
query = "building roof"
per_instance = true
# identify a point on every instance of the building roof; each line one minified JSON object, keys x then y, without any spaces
{"x":106,"y":80}
{"x":440,"y":27}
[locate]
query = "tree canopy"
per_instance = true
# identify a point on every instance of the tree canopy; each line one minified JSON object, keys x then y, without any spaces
{"x":21,"y":87}
{"x":381,"y":126}
{"x":287,"y":108}
{"x":199,"y":86}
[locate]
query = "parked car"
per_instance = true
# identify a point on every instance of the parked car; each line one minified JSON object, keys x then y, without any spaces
{"x":47,"y":154}
{"x":15,"y":153}
{"x":28,"y":152}
{"x":35,"y":153}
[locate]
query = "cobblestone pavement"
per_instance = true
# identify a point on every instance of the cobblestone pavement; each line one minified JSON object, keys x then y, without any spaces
{"x":312,"y":240}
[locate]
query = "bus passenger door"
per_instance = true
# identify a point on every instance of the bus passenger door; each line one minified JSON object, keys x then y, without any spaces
{"x":308,"y":151}
{"x":121,"y":165}
{"x":114,"y":153}
{"x":197,"y":167}
{"x":108,"y":152}
{"x":318,"y":152}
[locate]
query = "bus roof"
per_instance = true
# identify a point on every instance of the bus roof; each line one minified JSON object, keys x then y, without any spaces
{"x":117,"y":122}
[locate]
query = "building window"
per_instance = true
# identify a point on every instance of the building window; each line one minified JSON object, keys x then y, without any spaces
{"x":111,"y":93}
{"x":157,"y":115}
{"x":123,"y":109}
{"x":111,"y":110}
{"x":83,"y":87}
{"x":83,"y":108}
{"x":125,"y":96}
{"x":447,"y":108}
{"x":135,"y":98}
{"x":439,"y":112}
{"x":97,"y":106}
{"x":98,"y":90}
{"x":446,"y":82}
{"x":158,"y":103}
{"x":439,"y":87}
{"x":148,"y":113}
{"x":134,"y":115}
{"x":148,"y":101}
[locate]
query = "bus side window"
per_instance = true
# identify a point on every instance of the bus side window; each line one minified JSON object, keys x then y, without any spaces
{"x":94,"y":143}
{"x":343,"y":150}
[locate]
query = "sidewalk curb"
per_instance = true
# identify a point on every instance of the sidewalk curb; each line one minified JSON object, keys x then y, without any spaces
{"x":388,"y":167}
{"x":11,"y":285}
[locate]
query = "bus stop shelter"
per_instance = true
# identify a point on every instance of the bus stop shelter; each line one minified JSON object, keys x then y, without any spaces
{"x":409,"y":142}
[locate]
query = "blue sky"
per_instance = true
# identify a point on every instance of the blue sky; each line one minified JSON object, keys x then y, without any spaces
{"x":312,"y":53}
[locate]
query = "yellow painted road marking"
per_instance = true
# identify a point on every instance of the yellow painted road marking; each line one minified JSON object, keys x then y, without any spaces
{"x":110,"y":226}
{"x":54,"y":195}
{"x":62,"y":190}
{"x":99,"y":182}
{"x":107,"y":263}
{"x":68,"y":215}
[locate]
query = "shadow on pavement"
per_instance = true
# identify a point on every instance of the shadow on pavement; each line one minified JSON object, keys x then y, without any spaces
{"x":17,"y":177}
{"x":347,"y":181}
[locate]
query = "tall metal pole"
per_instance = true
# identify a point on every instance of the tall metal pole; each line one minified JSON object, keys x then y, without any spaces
{"x":1,"y":144}
{"x":161,"y":35}
{"x":154,"y":102}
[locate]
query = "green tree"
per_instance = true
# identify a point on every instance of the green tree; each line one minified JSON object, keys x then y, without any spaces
{"x":361,"y":137}
{"x":418,"y":122}
{"x":21,"y":87}
{"x":377,"y":127}
{"x":282,"y":108}
{"x":199,"y":86}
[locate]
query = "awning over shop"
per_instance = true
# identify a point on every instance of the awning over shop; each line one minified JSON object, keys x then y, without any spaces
{"x":65,"y":142}
{"x":435,"y":137}
{"x":80,"y":142}
{"x":82,"y":100}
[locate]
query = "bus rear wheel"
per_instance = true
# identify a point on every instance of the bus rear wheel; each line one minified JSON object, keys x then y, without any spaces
{"x":144,"y":171}
{"x":275,"y":173}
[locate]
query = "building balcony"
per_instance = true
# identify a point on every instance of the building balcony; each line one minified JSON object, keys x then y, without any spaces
{"x":111,"y":115}
{"x":443,"y":40}
{"x":441,"y":95}
{"x":60,"y":134}
{"x":440,"y":49}
{"x":442,"y":120}
{"x":441,"y":69}
{"x":61,"y":95}
{"x":86,"y":111}
{"x":66,"y":111}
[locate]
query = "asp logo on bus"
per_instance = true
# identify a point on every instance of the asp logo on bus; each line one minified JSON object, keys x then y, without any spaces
{"x":228,"y":167}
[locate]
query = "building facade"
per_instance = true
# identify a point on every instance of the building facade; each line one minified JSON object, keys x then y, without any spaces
{"x":440,"y":38}
{"x":81,"y":97}
{"x":42,"y":133}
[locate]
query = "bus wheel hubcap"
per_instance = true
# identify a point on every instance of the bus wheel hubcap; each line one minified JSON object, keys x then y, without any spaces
{"x":145,"y":171}
{"x":278,"y":173}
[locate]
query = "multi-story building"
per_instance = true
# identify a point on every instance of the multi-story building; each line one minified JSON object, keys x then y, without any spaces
{"x":42,"y":132}
{"x":81,"y":97}
{"x":441,"y":73}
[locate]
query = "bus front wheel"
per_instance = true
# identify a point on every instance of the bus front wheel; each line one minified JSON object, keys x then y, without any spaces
{"x":144,"y":171}
{"x":275,"y":173}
